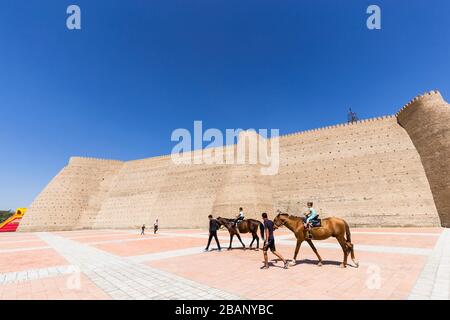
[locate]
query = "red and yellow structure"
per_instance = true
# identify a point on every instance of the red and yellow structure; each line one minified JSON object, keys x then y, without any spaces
{"x":12,"y":223}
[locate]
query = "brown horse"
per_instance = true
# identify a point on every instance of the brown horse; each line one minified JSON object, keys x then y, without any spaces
{"x":331,"y":227}
{"x":246,"y":225}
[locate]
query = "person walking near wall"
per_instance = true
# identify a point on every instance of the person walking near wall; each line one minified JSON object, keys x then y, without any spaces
{"x":269,"y":242}
{"x":213,"y":227}
{"x":143,"y":230}
{"x":155,"y":226}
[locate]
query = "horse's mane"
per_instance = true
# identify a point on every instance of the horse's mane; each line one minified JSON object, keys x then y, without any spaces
{"x":224,"y":218}
{"x":290,"y":216}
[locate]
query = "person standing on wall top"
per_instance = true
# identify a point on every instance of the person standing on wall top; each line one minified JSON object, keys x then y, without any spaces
{"x":239,"y":217}
{"x":213,"y":227}
{"x":155,"y":226}
{"x":143,"y":230}
{"x":269,"y":242}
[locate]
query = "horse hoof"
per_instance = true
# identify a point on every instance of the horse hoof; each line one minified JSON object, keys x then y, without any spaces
{"x":342,"y":265}
{"x":356,"y":264}
{"x":293,"y":263}
{"x":229,"y":249}
{"x":319,"y":264}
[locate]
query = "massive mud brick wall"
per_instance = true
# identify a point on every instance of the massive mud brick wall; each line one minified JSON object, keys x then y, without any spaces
{"x":427,"y":121}
{"x":74,"y":196}
{"x":389,"y":171}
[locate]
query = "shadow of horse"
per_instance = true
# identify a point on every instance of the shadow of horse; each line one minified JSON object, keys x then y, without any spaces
{"x":314,"y":262}
{"x":271,"y":264}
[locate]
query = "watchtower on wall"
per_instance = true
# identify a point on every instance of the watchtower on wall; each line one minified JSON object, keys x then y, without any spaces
{"x":427,"y":121}
{"x":243,"y":184}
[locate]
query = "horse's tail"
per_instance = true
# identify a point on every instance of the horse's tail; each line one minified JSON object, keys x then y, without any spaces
{"x":347,"y":232}
{"x":349,"y":244}
{"x":261,"y":229}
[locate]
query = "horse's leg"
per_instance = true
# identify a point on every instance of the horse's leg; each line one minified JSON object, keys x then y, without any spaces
{"x":352,"y":254}
{"x":239,"y":237}
{"x":257,"y":240}
{"x":341,"y":241}
{"x":253,"y":240}
{"x":255,"y":237}
{"x":297,"y":248}
{"x":231,"y":240}
{"x":311,"y":244}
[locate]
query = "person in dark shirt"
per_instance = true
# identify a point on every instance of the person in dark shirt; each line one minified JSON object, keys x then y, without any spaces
{"x":213,"y":227}
{"x":155,"y":226}
{"x":143,"y":229}
{"x":269,"y":242}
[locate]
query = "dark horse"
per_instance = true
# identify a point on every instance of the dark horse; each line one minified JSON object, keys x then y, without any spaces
{"x":247,"y":225}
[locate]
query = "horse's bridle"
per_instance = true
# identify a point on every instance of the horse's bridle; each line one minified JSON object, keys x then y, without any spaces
{"x":222,"y":224}
{"x":280,"y":224}
{"x":279,"y":212}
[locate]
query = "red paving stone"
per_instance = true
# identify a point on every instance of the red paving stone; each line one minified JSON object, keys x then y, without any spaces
{"x":184,"y":231}
{"x":389,"y":240}
{"x":277,"y":233}
{"x":90,"y":239}
{"x":5,"y":239}
{"x":8,"y":245}
{"x":235,"y":271}
{"x":53,"y":288}
{"x":30,"y":259}
{"x":74,"y":234}
{"x":239,"y":272}
{"x":132,"y":248}
{"x":400,"y":230}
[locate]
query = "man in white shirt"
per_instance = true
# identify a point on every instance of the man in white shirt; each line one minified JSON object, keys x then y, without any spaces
{"x":239,"y":217}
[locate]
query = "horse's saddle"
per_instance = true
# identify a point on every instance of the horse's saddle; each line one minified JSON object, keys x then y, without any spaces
{"x":315,"y":223}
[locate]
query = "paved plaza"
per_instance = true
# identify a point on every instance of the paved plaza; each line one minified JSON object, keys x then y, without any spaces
{"x":395,"y":263}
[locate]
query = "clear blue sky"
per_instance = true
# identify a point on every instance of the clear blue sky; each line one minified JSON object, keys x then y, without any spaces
{"x":140,"y":69}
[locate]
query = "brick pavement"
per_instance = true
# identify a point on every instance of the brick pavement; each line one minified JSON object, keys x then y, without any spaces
{"x":395,"y":263}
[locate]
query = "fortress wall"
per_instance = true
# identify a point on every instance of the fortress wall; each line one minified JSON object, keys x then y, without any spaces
{"x":179,"y":195}
{"x":368,"y":173}
{"x":427,"y":121}
{"x":184,"y":195}
{"x":243,"y":185}
{"x":75,"y":192}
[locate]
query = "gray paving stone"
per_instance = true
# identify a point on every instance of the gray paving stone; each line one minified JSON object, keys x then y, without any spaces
{"x":123,"y":278}
{"x":11,"y":276}
{"x":434,"y":280}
